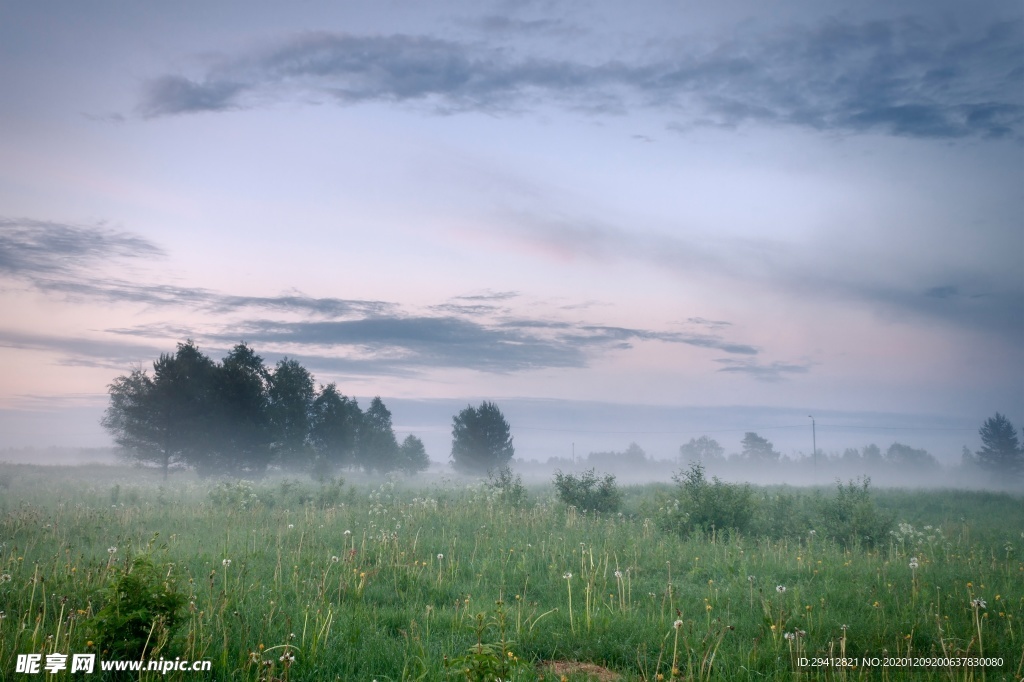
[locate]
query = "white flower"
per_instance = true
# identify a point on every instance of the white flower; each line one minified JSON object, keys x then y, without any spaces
{"x":567,"y":576}
{"x":290,"y":526}
{"x":440,"y":557}
{"x":335,"y":559}
{"x":813,"y":532}
{"x":348,"y":532}
{"x":780,"y":588}
{"x":226,"y":563}
{"x":789,"y":635}
{"x":618,"y":574}
{"x":750,"y":578}
{"x":978,"y":603}
{"x":913,"y":562}
{"x":678,"y":624}
{"x":111,"y":550}
{"x":5,"y":578}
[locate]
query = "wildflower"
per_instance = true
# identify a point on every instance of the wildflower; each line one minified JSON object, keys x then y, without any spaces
{"x":226,"y":563}
{"x":618,"y":575}
{"x":347,"y":532}
{"x":913,"y":562}
{"x":440,"y":557}
{"x":750,"y":578}
{"x":5,"y":578}
{"x":678,"y":624}
{"x":290,"y":526}
{"x":789,"y":635}
{"x":845,"y":627}
{"x":780,"y":588}
{"x":813,"y":533}
{"x":567,"y":576}
{"x":335,"y":559}
{"x":978,"y":603}
{"x":112,"y":550}
{"x":287,"y":657}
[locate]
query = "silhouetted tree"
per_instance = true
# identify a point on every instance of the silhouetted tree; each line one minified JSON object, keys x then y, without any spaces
{"x":1000,"y":451}
{"x":758,"y":449}
{"x":481,"y":439}
{"x":168,"y":418}
{"x":701,"y":449}
{"x":412,"y":456}
{"x":907,"y":457}
{"x":378,"y":447}
{"x":334,"y":428}
{"x":242,"y":445}
{"x":291,"y":394}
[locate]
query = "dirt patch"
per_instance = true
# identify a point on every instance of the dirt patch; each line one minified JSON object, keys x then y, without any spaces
{"x":591,"y":670}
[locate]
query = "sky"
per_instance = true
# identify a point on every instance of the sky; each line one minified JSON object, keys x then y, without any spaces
{"x":650,"y":220}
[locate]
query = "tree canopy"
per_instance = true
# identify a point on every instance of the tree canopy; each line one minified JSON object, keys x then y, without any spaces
{"x":1000,"y":451}
{"x":237,"y":417}
{"x":481,"y":439}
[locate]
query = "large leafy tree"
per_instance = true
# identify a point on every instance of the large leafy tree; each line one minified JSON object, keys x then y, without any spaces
{"x":168,"y":418}
{"x":291,"y":394}
{"x":378,"y":447}
{"x":243,"y":441}
{"x":334,"y":428}
{"x":413,"y":457}
{"x":1000,"y":450}
{"x":481,"y":439}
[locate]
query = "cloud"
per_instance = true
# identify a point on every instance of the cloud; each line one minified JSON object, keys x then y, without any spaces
{"x":908,"y":78}
{"x":43,"y":249}
{"x":775,"y":371}
{"x":81,"y":351}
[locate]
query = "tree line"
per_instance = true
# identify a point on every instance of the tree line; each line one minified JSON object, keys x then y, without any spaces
{"x":237,"y":417}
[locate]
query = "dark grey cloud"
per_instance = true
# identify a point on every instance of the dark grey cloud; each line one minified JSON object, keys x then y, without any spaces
{"x":622,"y":336}
{"x":82,"y":351}
{"x":774,"y":371}
{"x":423,"y":342}
{"x":39,"y":248}
{"x":908,"y":77}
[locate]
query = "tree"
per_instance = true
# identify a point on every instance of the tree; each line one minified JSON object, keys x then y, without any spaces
{"x":758,"y":449}
{"x":168,"y":418}
{"x":1000,"y":451}
{"x":481,"y":439}
{"x":902,"y":455}
{"x":701,"y":449}
{"x":412,"y":456}
{"x":291,"y":394}
{"x":243,"y":436}
{"x":334,"y":428}
{"x":378,"y":447}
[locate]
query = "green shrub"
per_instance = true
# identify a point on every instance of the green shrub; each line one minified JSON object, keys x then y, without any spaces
{"x":708,"y":507}
{"x":589,"y":492}
{"x":851,"y":516}
{"x":508,"y":486}
{"x":139,"y":614}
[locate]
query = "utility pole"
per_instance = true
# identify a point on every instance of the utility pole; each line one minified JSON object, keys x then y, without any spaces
{"x":814,"y":441}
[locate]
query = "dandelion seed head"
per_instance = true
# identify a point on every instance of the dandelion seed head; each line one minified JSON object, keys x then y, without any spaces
{"x":112,"y":550}
{"x":678,"y":624}
{"x":226,"y":563}
{"x":780,"y":588}
{"x":618,"y":574}
{"x":568,"y":575}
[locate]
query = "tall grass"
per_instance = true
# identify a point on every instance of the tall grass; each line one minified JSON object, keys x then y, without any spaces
{"x":395,"y":581}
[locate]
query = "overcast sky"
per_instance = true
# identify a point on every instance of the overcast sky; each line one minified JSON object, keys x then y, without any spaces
{"x":817,"y":207}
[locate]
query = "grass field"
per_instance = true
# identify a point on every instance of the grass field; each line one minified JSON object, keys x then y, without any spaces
{"x":424,"y":580}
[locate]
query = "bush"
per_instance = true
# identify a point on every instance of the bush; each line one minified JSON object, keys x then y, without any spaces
{"x":851,"y":517}
{"x":588,"y":492}
{"x":139,"y":614}
{"x":709,"y":507}
{"x":508,"y":486}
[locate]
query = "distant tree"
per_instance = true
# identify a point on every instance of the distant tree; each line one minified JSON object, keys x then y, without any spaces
{"x":334,"y":428}
{"x":851,"y":456}
{"x":481,"y":439}
{"x":701,"y":449}
{"x":632,"y":456}
{"x":291,"y":394}
{"x":905,"y":456}
{"x":169,"y":418}
{"x":378,"y":447}
{"x":243,"y":435}
{"x":412,"y":456}
{"x":758,"y":449}
{"x":872,"y":455}
{"x":1000,"y":451}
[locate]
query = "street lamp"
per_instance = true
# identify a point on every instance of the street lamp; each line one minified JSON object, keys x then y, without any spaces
{"x":814,"y":440}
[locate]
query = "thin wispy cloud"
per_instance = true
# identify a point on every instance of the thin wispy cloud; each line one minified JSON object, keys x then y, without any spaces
{"x":907,"y":78}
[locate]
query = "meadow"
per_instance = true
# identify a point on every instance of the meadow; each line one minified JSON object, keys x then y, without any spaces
{"x":451,"y":579}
